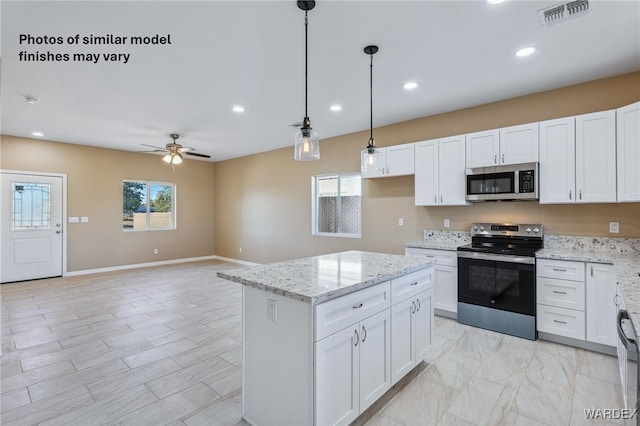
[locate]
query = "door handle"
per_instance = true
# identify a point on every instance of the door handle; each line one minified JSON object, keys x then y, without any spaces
{"x":58,"y":232}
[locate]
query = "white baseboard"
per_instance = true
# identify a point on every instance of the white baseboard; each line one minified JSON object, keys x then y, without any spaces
{"x":232,"y":260}
{"x":148,"y":264}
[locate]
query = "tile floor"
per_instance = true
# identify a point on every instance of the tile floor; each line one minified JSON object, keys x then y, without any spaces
{"x":162,"y":346}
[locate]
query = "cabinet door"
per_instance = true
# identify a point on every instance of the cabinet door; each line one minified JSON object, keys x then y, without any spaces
{"x":483,"y":149}
{"x":423,"y":324}
{"x":601,"y":309}
{"x":402,"y":344}
{"x":446,"y":287}
{"x":452,"y":178}
{"x":400,"y":159}
{"x":519,"y":144}
{"x":628,"y":148}
{"x":375,"y":358}
{"x":337,"y":377}
{"x":426,"y":173}
{"x":374,"y":173}
{"x":596,"y":157}
{"x":557,"y":161}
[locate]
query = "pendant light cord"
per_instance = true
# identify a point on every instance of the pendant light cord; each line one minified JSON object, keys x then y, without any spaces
{"x":371,"y":96}
{"x":306,"y":48}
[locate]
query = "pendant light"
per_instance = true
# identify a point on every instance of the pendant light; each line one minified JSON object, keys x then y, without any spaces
{"x":307,"y":145}
{"x":371,"y":157}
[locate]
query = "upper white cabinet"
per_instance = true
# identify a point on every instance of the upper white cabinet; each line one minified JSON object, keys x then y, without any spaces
{"x":628,"y":146}
{"x":577,"y":159}
{"x":398,"y":161}
{"x":439,"y":172}
{"x":508,"y":145}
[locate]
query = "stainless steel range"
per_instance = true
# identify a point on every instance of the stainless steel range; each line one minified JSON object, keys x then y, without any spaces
{"x":497,"y":278}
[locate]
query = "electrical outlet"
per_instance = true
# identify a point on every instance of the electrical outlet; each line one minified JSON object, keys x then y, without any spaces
{"x":447,"y":223}
{"x":155,"y":251}
{"x":84,"y":219}
{"x":240,"y":250}
{"x":614,"y":227}
{"x":400,"y":221}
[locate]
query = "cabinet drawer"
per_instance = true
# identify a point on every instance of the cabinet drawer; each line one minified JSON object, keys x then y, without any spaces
{"x":561,"y":321}
{"x":561,"y":293}
{"x":560,"y":269}
{"x":344,"y":311}
{"x":409,"y":285}
{"x":440,"y":257}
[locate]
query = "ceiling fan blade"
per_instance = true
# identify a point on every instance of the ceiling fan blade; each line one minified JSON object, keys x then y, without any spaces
{"x":155,"y":150}
{"x":196,"y":154}
{"x":153,"y":146}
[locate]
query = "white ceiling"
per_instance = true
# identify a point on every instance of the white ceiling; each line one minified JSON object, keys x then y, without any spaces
{"x":251,"y":53}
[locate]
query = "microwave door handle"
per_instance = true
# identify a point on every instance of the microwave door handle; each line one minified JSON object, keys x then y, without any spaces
{"x":628,"y":343}
{"x":516,"y":182}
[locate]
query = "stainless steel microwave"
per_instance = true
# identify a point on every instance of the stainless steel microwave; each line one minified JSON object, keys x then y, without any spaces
{"x":503,"y":183}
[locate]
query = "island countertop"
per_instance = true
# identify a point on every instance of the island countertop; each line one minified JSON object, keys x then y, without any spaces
{"x":321,"y":278}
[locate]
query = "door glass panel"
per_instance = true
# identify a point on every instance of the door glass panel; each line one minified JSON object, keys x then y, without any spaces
{"x":31,"y":206}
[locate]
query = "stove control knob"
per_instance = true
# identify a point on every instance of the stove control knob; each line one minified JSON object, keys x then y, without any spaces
{"x":481,"y":228}
{"x":528,"y":230}
{"x":475,"y":227}
{"x":536,"y":230}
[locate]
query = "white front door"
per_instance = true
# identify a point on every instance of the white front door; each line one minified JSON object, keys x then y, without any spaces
{"x":31,"y":226}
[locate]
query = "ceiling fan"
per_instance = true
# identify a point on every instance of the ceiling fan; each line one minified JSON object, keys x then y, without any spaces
{"x":175,"y":151}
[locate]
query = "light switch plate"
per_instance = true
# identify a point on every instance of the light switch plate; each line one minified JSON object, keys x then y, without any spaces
{"x":85,"y":219}
{"x":74,"y":219}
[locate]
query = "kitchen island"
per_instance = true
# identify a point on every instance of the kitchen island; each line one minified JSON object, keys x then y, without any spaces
{"x":324,"y":337}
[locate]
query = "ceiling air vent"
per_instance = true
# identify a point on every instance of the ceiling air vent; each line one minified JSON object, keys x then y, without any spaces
{"x":563,"y":12}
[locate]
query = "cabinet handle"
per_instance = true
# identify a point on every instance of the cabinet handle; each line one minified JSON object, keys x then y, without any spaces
{"x":418,"y":303}
{"x":440,"y":198}
{"x":580,"y":194}
{"x":503,"y":158}
{"x":570,"y":194}
{"x":413,"y":307}
{"x":592,"y":270}
{"x":495,"y":159}
{"x":415,"y":283}
{"x":357,"y":306}
{"x":559,"y":292}
{"x":435,"y":199}
{"x":559,"y":270}
{"x":364,"y":332}
{"x":357,"y":338}
{"x":559,"y":322}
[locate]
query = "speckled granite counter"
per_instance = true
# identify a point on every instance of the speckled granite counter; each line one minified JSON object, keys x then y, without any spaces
{"x":622,"y":253}
{"x":441,"y":240}
{"x":321,"y":278}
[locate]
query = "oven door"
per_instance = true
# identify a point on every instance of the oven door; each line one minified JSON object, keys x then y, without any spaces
{"x":497,"y":281}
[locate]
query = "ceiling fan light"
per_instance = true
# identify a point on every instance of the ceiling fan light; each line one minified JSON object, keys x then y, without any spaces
{"x":172,"y":158}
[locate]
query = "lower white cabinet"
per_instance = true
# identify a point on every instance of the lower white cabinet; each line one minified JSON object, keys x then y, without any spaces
{"x":576,"y":300}
{"x":412,"y":330}
{"x":445,"y":268}
{"x":352,"y":369}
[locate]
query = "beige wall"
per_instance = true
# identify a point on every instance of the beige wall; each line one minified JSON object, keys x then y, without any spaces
{"x":94,"y":184}
{"x":263,"y":201}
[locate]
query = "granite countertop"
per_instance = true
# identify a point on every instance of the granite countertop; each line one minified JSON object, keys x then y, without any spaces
{"x":441,"y":240}
{"x":622,"y":253}
{"x":321,"y":278}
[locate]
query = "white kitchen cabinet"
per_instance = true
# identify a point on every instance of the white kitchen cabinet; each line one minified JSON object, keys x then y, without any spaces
{"x":445,"y":278}
{"x":398,"y":161}
{"x":508,"y":145}
{"x":596,"y":157}
{"x":601,"y":308}
{"x":352,"y":369}
{"x":577,"y":159}
{"x":412,"y":330}
{"x":439,"y":172}
{"x":628,"y":149}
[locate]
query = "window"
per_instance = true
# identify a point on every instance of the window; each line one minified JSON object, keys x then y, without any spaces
{"x":148,"y":206}
{"x":31,"y":206}
{"x":336,"y":205}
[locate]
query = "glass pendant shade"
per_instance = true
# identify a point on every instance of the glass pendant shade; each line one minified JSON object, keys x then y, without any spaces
{"x":307,"y":145}
{"x":173,"y":158}
{"x":371,"y":159}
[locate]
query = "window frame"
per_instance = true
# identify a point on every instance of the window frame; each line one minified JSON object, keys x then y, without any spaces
{"x":315,"y":206}
{"x":148,"y":184}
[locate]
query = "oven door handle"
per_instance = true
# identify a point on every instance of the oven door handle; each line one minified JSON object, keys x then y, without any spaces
{"x":497,"y":257}
{"x":629,"y":344}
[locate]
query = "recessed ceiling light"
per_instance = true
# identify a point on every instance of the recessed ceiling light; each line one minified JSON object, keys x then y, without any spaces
{"x":410,"y":85}
{"x":238,"y":108}
{"x":31,"y":100}
{"x":495,"y":1}
{"x":38,"y":134}
{"x":335,"y":107}
{"x":525,"y":51}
